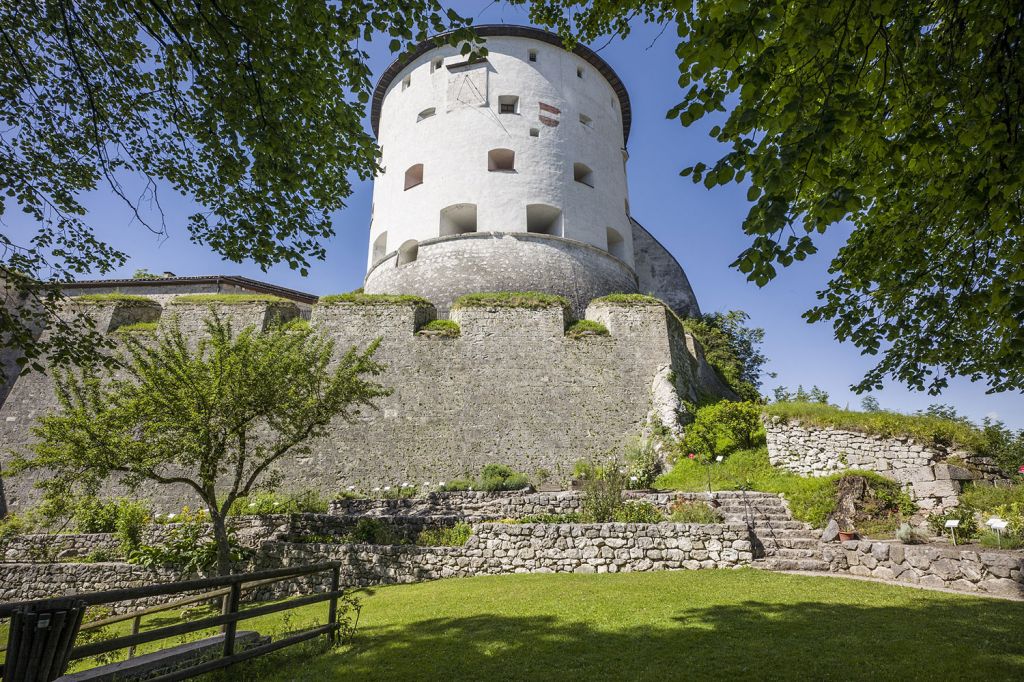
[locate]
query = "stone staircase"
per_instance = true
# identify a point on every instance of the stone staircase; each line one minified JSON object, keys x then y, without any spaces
{"x":787,"y":545}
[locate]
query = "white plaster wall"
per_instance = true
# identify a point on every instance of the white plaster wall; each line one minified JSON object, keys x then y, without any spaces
{"x":453,"y":146}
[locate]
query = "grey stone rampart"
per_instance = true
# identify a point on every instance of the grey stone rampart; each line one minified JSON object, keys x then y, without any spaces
{"x":997,"y":572}
{"x":928,"y":471}
{"x":448,"y":267}
{"x":660,"y":274}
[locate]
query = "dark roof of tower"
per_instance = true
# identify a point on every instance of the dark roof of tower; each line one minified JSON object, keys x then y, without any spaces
{"x":488,"y":30}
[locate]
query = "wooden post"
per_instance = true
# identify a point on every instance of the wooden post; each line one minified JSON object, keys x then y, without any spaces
{"x":332,"y":613}
{"x":231,"y":606}
{"x":136,"y":624}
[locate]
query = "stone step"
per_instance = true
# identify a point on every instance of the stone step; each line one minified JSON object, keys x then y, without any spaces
{"x":768,"y":503}
{"x":790,"y":553}
{"x":760,"y":516}
{"x":772,"y":526}
{"x":773,"y":564}
{"x":797,"y":542}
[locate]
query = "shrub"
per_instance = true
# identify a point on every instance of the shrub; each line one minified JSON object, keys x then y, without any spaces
{"x":374,"y":532}
{"x":732,"y":349}
{"x":967,"y":529}
{"x":137,"y":328}
{"x":602,"y":492}
{"x":643,"y":465}
{"x":683,"y":511}
{"x":445,"y":328}
{"x":360,"y":298}
{"x":638,"y":512}
{"x":722,"y":427}
{"x":124,"y":517}
{"x":458,"y":485}
{"x":451,"y":536}
{"x":12,"y":526}
{"x":909,"y":535}
{"x":533,"y":300}
{"x":571,"y":517}
{"x":188,"y":548}
{"x":267,"y":502}
{"x":496,"y":477}
{"x":990,"y":538}
{"x":132,"y":518}
{"x":581,"y":328}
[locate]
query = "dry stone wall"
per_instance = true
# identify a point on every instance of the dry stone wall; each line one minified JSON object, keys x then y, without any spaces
{"x":512,"y":389}
{"x":925,"y":470}
{"x":963,"y":569}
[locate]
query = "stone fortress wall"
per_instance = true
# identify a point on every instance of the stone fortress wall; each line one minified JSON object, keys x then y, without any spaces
{"x":512,"y":389}
{"x":933,"y":475}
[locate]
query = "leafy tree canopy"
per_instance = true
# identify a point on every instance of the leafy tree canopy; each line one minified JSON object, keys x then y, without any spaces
{"x":211,"y":417}
{"x":733,"y":349}
{"x":251,"y":108}
{"x":902,"y":118}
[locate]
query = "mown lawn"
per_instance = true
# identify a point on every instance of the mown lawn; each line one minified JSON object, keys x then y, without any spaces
{"x":742,"y":624}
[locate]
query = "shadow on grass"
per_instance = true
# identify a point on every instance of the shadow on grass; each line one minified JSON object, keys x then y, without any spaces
{"x":809,"y":640}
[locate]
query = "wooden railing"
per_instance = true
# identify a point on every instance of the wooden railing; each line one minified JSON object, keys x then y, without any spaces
{"x":229,"y":589}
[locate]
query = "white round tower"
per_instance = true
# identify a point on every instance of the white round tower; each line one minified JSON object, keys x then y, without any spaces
{"x":501,"y":174}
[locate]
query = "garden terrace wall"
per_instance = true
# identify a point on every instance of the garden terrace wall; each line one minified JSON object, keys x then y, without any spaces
{"x":969,"y":569}
{"x":468,"y":506}
{"x":511,"y":389}
{"x":933,"y":482}
{"x":21,"y":582}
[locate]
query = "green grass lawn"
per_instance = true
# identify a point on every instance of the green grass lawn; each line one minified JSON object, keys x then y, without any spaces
{"x":666,"y":625}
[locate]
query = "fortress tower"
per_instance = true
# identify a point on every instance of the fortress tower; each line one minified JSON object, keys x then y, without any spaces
{"x":508,"y":173}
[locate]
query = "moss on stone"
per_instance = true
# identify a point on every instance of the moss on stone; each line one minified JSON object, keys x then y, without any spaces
{"x":115,"y":298}
{"x":227,"y":299}
{"x":630,"y":299}
{"x":447,"y":328}
{"x":137,"y":328}
{"x":359,"y":298}
{"x":586,"y":328}
{"x":532,"y":300}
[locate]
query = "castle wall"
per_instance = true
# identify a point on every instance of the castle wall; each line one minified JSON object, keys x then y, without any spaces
{"x":511,"y":389}
{"x":449,"y":267}
{"x":660,"y":275}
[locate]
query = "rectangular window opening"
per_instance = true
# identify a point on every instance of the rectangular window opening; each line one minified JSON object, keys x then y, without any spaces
{"x":533,"y":55}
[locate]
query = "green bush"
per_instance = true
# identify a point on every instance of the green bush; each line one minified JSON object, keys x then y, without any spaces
{"x":497,"y":477}
{"x":637,"y":512}
{"x":126,"y":518}
{"x":188,"y":548}
{"x":227,"y":299}
{"x":683,"y":511}
{"x":581,"y":328}
{"x":264,"y":503}
{"x":967,"y":529}
{"x":571,"y":517}
{"x":446,"y":328}
{"x":369,"y":531}
{"x":452,"y":536}
{"x":985,"y":498}
{"x":360,"y":298}
{"x":722,"y":427}
{"x":603,"y":485}
{"x":643,"y":465}
{"x":132,"y":518}
{"x":533,"y":300}
{"x":732,"y":349}
{"x":138,"y":328}
{"x":459,"y":485}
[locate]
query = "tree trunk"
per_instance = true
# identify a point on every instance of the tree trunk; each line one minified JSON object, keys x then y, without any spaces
{"x":220,"y":534}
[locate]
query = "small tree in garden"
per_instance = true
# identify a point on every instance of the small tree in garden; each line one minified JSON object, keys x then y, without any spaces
{"x":214,"y":417}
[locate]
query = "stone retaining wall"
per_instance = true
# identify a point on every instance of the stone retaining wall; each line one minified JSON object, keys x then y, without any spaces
{"x":934,"y":483}
{"x":468,"y":506}
{"x":964,"y":569}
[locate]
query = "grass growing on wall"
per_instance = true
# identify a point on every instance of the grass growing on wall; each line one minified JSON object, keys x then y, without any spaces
{"x":923,"y":428}
{"x":533,"y":300}
{"x":629,"y":299}
{"x":137,"y":328}
{"x":446,"y":328}
{"x":359,"y":298}
{"x":114,"y":298}
{"x":227,"y":299}
{"x":583,"y":328}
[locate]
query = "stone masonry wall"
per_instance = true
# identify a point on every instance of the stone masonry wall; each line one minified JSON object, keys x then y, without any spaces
{"x":512,"y":389}
{"x":966,"y":570}
{"x":934,"y":484}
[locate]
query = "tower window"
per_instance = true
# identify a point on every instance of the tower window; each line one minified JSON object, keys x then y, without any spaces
{"x":508,"y":104}
{"x":380,"y":247}
{"x":581,"y":173}
{"x":579,"y":72}
{"x":458,"y":219}
{"x":414,"y":176}
{"x":426,"y":113}
{"x":533,"y":55}
{"x":586,"y":120}
{"x":436,"y":64}
{"x":501,"y":160}
{"x":534,"y":132}
{"x":406,"y":82}
{"x":408,"y":252}
{"x":543,"y":219}
{"x":616,"y":245}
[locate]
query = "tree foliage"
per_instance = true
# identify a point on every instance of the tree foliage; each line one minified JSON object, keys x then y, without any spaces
{"x":252,"y":109}
{"x":902,"y":119}
{"x":732,"y":348}
{"x":213,"y":417}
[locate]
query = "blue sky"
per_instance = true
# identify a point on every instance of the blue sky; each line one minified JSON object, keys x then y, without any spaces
{"x":701,"y":227}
